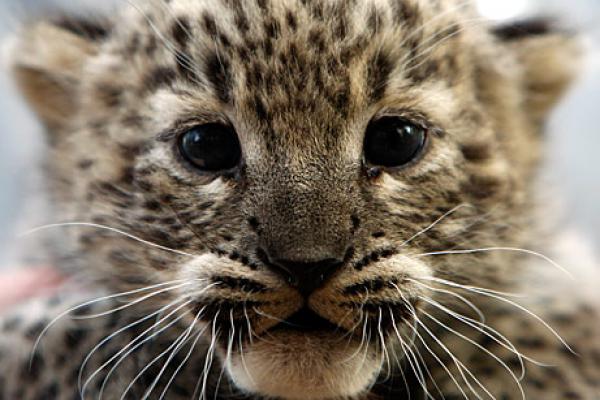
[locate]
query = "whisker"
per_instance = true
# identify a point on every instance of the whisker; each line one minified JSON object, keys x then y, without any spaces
{"x":185,"y":360}
{"x":171,"y":347}
{"x":500,"y":339}
{"x":90,"y":302}
{"x":362,"y":341}
{"x":536,"y":317}
{"x":227,"y":354}
{"x":133,"y":302}
{"x":128,"y":349}
{"x":439,"y":361}
{"x":470,"y":304}
{"x":182,"y":339}
{"x":210,"y":355}
{"x":114,"y":230}
{"x":263,"y":314}
{"x":114,"y":334}
{"x":474,"y":343}
{"x":399,"y":360}
{"x":421,"y":362}
{"x":491,"y":249}
{"x":250,"y":331}
{"x":436,"y":222}
{"x":470,"y":288}
{"x":413,"y":362}
{"x":462,"y":369}
{"x":384,"y":351}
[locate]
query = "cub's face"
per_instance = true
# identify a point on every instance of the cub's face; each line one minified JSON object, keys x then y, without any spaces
{"x":290,"y":167}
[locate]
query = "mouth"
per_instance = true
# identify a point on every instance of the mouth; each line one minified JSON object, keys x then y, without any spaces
{"x":306,"y":321}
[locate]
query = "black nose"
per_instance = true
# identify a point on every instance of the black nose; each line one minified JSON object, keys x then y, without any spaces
{"x":305,"y":276}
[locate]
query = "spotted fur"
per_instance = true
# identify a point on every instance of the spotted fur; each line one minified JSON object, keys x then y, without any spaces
{"x":299,"y":81}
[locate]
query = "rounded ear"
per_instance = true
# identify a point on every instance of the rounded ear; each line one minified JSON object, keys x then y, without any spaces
{"x":550,"y":59}
{"x":47,"y":60}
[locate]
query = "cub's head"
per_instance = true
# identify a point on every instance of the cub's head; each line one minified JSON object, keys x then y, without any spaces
{"x":289,"y":170}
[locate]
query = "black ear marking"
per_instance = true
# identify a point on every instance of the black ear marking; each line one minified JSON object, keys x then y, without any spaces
{"x":96,"y":29}
{"x":524,"y":29}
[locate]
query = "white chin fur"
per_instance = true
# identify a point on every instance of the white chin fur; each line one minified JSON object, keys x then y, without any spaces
{"x":295,"y":366}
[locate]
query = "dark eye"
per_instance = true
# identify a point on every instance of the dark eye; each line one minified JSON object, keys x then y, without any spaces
{"x":393,"y":142}
{"x":211,"y":147}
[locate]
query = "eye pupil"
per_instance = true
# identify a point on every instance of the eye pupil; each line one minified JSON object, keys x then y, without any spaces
{"x":211,"y":147}
{"x":393,"y":142}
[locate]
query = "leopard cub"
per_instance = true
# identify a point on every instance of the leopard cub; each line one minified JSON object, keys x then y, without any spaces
{"x":297,"y":199}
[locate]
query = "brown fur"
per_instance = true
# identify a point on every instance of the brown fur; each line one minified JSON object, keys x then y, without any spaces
{"x":299,"y":81}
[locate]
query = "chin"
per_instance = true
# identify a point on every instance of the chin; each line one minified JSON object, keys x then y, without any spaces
{"x":288,"y":364}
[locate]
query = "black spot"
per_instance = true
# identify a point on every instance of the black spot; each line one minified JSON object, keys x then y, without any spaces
{"x":379,"y":69}
{"x":481,"y":187}
{"x":378,"y":235}
{"x":418,"y":71}
{"x":50,"y":392}
{"x":260,"y":109}
{"x":185,"y":66}
{"x":476,"y":152}
{"x":12,"y":323}
{"x":180,"y":31}
{"x":219,"y":74}
{"x":316,"y":37}
{"x":152,"y":205}
{"x":374,"y":21}
{"x":536,"y":383}
{"x":74,"y":337}
{"x":521,"y":29}
{"x":180,"y":390}
{"x":205,"y":205}
{"x":110,"y":95}
{"x":34,"y":331}
{"x":83,"y":311}
{"x":151,"y":45}
{"x":159,"y":77}
{"x":254,"y":224}
{"x":85,"y":164}
{"x":209,"y":24}
{"x":31,"y":371}
{"x":96,"y":30}
{"x":241,"y":22}
{"x":291,"y":20}
{"x":569,"y":395}
{"x":271,"y":27}
{"x":267,"y":46}
{"x":263,"y":4}
{"x":112,"y":190}
{"x":242,"y":284}
{"x":355,"y":222}
{"x":404,"y":13}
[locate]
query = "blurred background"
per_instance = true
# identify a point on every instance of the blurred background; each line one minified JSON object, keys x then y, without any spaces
{"x":572,"y":146}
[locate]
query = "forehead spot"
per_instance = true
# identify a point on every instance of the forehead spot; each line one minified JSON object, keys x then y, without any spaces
{"x":218,"y":72}
{"x":378,"y":71}
{"x":180,"y":31}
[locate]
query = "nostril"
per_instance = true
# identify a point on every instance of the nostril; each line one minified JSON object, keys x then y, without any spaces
{"x":306,"y":276}
{"x":253,"y":223}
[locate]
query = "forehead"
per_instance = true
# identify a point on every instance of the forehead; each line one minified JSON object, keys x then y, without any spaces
{"x":296,"y":63}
